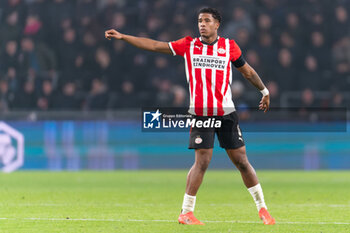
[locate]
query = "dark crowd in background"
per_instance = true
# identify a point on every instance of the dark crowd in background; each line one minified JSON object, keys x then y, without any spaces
{"x":54,"y":55}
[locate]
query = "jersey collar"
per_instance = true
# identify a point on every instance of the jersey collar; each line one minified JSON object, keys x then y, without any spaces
{"x":203,"y":42}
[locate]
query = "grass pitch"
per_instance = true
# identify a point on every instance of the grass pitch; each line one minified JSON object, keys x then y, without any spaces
{"x":150,"y":201}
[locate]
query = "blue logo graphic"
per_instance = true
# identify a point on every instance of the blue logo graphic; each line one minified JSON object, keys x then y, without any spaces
{"x":151,"y":120}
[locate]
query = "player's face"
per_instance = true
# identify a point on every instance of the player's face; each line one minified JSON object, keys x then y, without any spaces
{"x":207,"y":25}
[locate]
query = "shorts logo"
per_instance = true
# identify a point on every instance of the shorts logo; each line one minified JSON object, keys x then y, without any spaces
{"x":198,"y":140}
{"x":221,"y":50}
{"x":239,"y":133}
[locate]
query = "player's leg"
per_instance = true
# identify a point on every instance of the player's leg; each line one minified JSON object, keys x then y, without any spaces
{"x":203,"y":143}
{"x":230,"y":138}
{"x":239,"y":158}
{"x":197,"y":171}
{"x":194,"y":180}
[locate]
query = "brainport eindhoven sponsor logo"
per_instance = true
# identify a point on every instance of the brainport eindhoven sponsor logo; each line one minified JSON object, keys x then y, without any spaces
{"x":11,"y":148}
{"x":157,"y":120}
{"x":203,"y":61}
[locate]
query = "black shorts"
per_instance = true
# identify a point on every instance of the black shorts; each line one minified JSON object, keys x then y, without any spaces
{"x":229,"y":134}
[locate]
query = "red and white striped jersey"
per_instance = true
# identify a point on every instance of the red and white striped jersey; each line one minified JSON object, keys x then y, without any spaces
{"x":209,"y":73}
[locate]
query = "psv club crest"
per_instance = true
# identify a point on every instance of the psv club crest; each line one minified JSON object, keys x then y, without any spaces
{"x":221,"y":51}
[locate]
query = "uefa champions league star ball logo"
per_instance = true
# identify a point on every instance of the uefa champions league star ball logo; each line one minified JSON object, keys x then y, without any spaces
{"x":11,"y":148}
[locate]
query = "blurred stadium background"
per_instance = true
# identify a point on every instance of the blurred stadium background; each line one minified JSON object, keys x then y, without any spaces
{"x":76,"y":96}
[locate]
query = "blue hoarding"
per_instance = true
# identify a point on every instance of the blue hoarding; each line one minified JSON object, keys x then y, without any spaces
{"x":76,"y":145}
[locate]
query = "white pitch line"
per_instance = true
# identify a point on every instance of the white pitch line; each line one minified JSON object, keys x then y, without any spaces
{"x":164,"y":220}
{"x":155,"y":205}
{"x":288,"y":205}
{"x":306,"y":223}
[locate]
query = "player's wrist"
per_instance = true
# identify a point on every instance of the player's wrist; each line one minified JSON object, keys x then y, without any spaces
{"x":265,"y":92}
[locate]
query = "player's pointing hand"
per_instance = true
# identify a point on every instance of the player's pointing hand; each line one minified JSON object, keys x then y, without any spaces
{"x":109,"y":34}
{"x":265,"y":103}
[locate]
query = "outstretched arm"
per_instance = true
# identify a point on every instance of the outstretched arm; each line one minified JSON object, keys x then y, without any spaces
{"x":249,"y":73}
{"x":140,"y":42}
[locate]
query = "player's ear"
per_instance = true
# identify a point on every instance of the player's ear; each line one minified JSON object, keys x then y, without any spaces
{"x":217,"y":25}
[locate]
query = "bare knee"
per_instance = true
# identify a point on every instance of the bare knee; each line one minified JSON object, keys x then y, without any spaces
{"x":242,"y":164}
{"x":239,"y":158}
{"x":203,"y":158}
{"x":202,"y":165}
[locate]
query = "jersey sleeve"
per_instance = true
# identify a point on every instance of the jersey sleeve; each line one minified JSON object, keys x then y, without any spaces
{"x":236,"y":54}
{"x":235,"y":51}
{"x":179,"y":47}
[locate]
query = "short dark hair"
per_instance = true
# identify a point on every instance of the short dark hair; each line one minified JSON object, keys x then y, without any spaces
{"x":214,"y":12}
